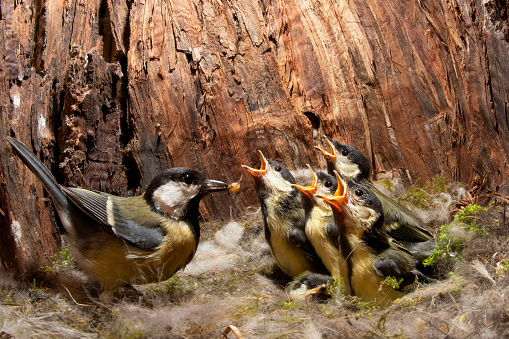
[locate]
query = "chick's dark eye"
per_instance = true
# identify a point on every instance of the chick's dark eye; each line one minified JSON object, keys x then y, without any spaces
{"x":345,"y":152}
{"x":358,"y":192}
{"x":278,"y":168}
{"x":328,"y":183}
{"x":188,"y":178}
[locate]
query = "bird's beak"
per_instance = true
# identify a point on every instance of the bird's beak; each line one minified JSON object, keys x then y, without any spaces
{"x":263,"y":167}
{"x":320,"y":291}
{"x":309,"y":190}
{"x":340,"y":197}
{"x":332,"y":154}
{"x":214,"y":186}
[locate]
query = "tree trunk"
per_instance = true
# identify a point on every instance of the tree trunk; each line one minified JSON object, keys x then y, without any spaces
{"x":110,"y":93}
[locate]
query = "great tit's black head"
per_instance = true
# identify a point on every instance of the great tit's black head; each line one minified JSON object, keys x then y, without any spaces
{"x":171,"y":191}
{"x":347,"y":160}
{"x":362,"y":206}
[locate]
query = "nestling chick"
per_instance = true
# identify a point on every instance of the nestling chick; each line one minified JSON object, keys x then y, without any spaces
{"x":401,"y":223}
{"x":371,"y":256}
{"x":321,"y":229}
{"x":129,"y":240}
{"x":309,"y":284}
{"x":284,"y":219}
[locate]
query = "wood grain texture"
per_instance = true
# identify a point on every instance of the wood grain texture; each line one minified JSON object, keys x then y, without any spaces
{"x":109,"y":93}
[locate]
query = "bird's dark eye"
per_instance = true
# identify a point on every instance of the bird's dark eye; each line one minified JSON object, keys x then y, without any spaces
{"x":345,"y":152}
{"x":359,"y":192}
{"x":278,"y":168}
{"x":188,"y":178}
{"x":328,"y":183}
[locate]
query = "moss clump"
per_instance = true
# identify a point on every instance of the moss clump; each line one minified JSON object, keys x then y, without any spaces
{"x":177,"y":286}
{"x":361,"y":306}
{"x":448,"y":243}
{"x":459,"y":284}
{"x":392,"y":282}
{"x":245,"y":311}
{"x":387,"y":184}
{"x":421,"y":195}
{"x":61,"y":260}
{"x":287,"y":305}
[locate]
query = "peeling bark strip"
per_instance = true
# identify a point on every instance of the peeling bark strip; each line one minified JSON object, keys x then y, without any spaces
{"x":111,"y":92}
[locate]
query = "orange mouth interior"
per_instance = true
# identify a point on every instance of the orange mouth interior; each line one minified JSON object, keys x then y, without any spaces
{"x":263,"y":167}
{"x":331,"y":154}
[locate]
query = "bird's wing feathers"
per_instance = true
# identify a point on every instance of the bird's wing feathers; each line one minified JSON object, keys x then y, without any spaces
{"x":404,"y":231}
{"x":94,"y":204}
{"x":398,"y":263}
{"x":401,"y":223}
{"x":333,"y":233}
{"x":298,"y":238}
{"x":103,"y":208}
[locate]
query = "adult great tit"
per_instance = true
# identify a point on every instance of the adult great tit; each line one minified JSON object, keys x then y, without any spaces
{"x":401,"y":223}
{"x":371,"y":256}
{"x":284,"y":219}
{"x":321,"y":228}
{"x":129,"y":240}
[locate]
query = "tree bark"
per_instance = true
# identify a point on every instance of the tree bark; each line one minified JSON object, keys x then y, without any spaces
{"x":110,"y":93}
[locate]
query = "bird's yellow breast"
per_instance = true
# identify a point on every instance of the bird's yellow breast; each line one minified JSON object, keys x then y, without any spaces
{"x":114,"y":263}
{"x":291,"y":259}
{"x":316,"y":231}
{"x":366,"y":283}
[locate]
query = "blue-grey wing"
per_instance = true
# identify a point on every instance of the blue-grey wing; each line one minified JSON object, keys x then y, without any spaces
{"x":333,"y":233}
{"x":104,"y":209}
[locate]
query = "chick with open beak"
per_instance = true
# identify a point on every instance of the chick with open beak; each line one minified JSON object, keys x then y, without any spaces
{"x":401,"y":224}
{"x":370,"y":255}
{"x":321,"y":228}
{"x":284,"y":219}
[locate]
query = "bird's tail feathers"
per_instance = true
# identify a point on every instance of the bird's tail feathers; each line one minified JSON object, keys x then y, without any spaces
{"x":38,"y":168}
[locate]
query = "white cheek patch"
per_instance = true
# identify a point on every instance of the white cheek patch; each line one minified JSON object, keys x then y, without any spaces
{"x":348,"y":169}
{"x":173,"y":197}
{"x":366,"y":215}
{"x":276,"y":183}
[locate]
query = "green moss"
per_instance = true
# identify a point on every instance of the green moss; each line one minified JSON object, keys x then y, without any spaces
{"x":387,"y":184}
{"x":37,"y":286}
{"x":291,"y":320}
{"x":287,"y":305}
{"x":362,"y":306}
{"x":246,"y":311}
{"x":459,"y":284}
{"x":447,"y":244}
{"x":420,"y":195}
{"x":61,"y":260}
{"x":176,"y":285}
{"x":392,"y":282}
